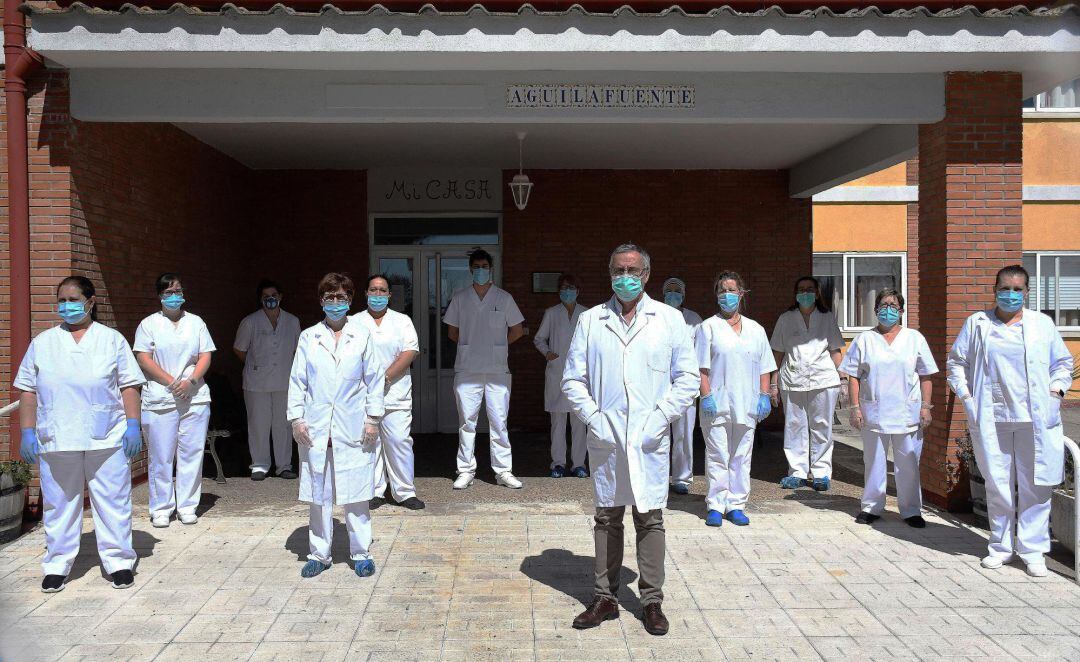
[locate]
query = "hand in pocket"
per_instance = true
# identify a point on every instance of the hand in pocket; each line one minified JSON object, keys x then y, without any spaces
{"x":656,"y":430}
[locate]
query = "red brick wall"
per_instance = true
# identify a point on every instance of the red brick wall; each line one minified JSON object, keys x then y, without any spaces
{"x":912,"y":302}
{"x":969,"y":227}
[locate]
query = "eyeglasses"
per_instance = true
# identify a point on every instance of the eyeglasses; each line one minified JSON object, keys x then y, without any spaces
{"x":169,"y":293}
{"x":627,"y":271}
{"x":889,"y":306}
{"x":335,"y":298}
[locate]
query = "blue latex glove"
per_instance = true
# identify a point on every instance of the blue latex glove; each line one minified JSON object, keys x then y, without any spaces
{"x":708,"y":405}
{"x":29,"y":449}
{"x":764,"y":406}
{"x":132,"y":438}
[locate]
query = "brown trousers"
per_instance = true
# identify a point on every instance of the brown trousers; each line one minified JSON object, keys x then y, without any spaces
{"x":651,"y":546}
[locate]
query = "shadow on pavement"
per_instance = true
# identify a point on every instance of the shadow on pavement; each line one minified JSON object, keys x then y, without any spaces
{"x":574,"y":575}
{"x":88,"y":558}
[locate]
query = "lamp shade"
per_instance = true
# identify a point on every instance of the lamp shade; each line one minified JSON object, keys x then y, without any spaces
{"x":520,"y":187}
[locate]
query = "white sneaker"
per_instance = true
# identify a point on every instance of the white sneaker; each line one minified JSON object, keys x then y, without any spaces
{"x":464,"y":479}
{"x":187,"y":518}
{"x":160,"y":521}
{"x":507,"y":479}
{"x":993,"y":562}
{"x":1037,"y":568}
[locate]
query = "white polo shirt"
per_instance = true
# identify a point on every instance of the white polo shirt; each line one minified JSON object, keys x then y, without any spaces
{"x":175,"y":348}
{"x":482,"y":325}
{"x":269,"y":350}
{"x":395,"y":335}
{"x":736,"y":362}
{"x":807,"y":365}
{"x":890,"y":395}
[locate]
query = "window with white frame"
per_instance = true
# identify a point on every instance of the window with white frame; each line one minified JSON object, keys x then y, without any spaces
{"x":1055,"y":286}
{"x":850,"y":283}
{"x":1063,"y":98}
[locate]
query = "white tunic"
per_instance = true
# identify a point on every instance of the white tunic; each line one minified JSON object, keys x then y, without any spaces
{"x":736,"y":362}
{"x":175,"y":348}
{"x":1008,"y":372}
{"x":890,"y":396}
{"x":556,"y":332}
{"x":628,"y":383}
{"x":78,"y":384}
{"x":269,"y":350}
{"x":482,"y":326}
{"x":395,"y":335}
{"x":807,"y":365}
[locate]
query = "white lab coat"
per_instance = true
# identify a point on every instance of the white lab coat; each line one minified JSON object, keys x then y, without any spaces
{"x":736,"y":362}
{"x":556,"y":332}
{"x":175,"y":348}
{"x":807,"y":364}
{"x":890,"y":396}
{"x":628,"y":385}
{"x":78,"y":384}
{"x":395,"y":335}
{"x":482,"y":326}
{"x":1049,"y":366}
{"x":333,"y":388}
{"x":269,"y":350}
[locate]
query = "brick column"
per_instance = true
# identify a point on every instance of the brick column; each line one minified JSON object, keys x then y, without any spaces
{"x":912,"y":168}
{"x":969,"y":226}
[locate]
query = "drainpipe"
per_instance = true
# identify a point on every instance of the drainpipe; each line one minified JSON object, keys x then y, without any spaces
{"x":20,"y":63}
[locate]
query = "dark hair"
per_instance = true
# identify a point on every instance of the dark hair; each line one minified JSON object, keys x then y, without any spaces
{"x":1011,"y":270}
{"x":819,"y":303}
{"x":730,"y":275}
{"x":379,"y":276}
{"x":888,"y":292}
{"x":335,"y":281}
{"x":165,"y":281}
{"x":85,"y":286}
{"x":480,"y":254}
{"x":265,"y":284}
{"x":567,"y":279}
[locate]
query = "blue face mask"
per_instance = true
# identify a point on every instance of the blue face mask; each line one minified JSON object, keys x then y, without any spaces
{"x":673,"y":299}
{"x":806,"y":299}
{"x":173,"y":301}
{"x":1010,"y":300}
{"x":378,"y":303}
{"x":271,"y":303}
{"x":888,"y":317}
{"x":568,"y":296}
{"x":481,"y":275}
{"x":729,"y":301}
{"x":626,"y":288}
{"x":335,"y":311}
{"x":71,"y":312}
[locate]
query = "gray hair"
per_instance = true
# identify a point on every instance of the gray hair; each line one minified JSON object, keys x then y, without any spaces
{"x":631,"y":248}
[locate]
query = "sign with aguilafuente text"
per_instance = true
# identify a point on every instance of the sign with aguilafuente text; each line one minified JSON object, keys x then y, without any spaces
{"x":599,"y":96}
{"x":407,"y":189}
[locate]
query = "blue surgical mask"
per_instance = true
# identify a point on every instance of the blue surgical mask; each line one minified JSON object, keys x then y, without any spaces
{"x":271,"y":303}
{"x":378,"y":303}
{"x":673,"y":298}
{"x":71,"y":312}
{"x":1010,"y":300}
{"x":805,"y":299}
{"x":888,"y":317}
{"x":335,"y":311}
{"x":568,"y":296}
{"x":729,"y":301}
{"x":626,"y":287}
{"x":481,"y":275}
{"x":173,"y":301}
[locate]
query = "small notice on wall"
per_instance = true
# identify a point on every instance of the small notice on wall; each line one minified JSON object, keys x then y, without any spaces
{"x":600,"y":96}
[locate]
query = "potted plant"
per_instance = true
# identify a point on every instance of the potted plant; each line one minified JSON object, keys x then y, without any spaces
{"x":1063,"y":507}
{"x":14,"y":477}
{"x":965,"y":453}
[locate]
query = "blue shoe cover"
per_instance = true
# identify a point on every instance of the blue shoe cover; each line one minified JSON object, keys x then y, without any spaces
{"x":365,"y":568}
{"x":822,"y":484}
{"x":312,"y":568}
{"x":714,"y":518}
{"x":738,"y":518}
{"x":558,"y":471}
{"x":580,"y":472}
{"x":679,"y":488}
{"x":792,"y":482}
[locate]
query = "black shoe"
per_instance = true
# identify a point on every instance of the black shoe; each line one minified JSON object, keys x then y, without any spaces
{"x":916,"y":522}
{"x":376,"y":502}
{"x":53,"y":583}
{"x":288,"y":474}
{"x":601,"y":609}
{"x":122,"y":579}
{"x":866,"y":518}
{"x":258,"y":475}
{"x":412,"y":503}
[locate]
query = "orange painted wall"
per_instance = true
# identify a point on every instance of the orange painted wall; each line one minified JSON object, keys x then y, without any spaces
{"x":1052,"y":226}
{"x":859,"y":227}
{"x":892,"y":176}
{"x":1050,"y":152}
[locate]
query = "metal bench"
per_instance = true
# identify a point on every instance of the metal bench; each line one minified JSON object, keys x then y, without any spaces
{"x":211,"y":443}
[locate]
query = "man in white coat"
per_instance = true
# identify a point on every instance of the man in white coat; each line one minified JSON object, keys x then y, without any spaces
{"x":630,"y":373}
{"x":265,"y":344}
{"x":484,"y":321}
{"x":553,"y":340}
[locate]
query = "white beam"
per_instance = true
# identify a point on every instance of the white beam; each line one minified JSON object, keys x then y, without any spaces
{"x":868,"y":152}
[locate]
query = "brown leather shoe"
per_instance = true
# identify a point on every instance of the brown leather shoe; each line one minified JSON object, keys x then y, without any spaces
{"x":655,"y":621}
{"x":601,"y":609}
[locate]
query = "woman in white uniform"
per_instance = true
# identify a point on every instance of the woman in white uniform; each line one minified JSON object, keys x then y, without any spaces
{"x":553,"y":341}
{"x":335,"y":407}
{"x":682,"y":430}
{"x":265,"y":344}
{"x":1011,"y":370}
{"x":736,"y":363}
{"x":807,"y":344}
{"x":173,"y":349}
{"x":889,"y":368}
{"x":396,"y":346}
{"x":79,"y":414}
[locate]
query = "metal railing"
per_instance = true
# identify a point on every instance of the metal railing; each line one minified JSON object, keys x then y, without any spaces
{"x":9,"y":409}
{"x":1074,"y":450}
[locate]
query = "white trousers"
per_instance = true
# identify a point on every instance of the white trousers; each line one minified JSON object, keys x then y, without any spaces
{"x":177,"y":439}
{"x":470,"y":389}
{"x":1014,"y":503}
{"x":682,"y":447}
{"x":808,"y":420}
{"x":107,"y":474}
{"x":728,"y":448}
{"x":265,"y":420}
{"x":907,"y":449}
{"x":558,"y":440}
{"x":321,"y":522}
{"x":394,"y":460}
